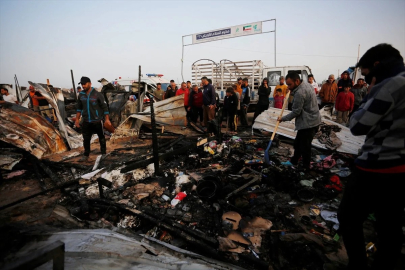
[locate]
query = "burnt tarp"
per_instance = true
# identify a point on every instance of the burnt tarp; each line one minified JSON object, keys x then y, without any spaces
{"x":73,"y":138}
{"x":28,"y":130}
{"x":167,"y":112}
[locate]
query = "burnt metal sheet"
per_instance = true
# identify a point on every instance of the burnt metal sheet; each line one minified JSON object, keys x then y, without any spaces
{"x":167,"y":112}
{"x":28,"y":130}
{"x":268,"y":120}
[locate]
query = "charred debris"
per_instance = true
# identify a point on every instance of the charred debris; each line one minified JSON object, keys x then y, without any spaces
{"x":211,"y":194}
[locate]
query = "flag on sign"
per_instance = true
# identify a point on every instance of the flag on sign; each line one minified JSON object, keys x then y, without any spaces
{"x":247,"y":28}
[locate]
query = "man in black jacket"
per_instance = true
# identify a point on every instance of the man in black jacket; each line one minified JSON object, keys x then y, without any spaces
{"x":344,"y":81}
{"x":245,"y":100}
{"x":171,"y":90}
{"x":209,"y":102}
{"x":264,"y":93}
{"x":92,"y":107}
{"x":230,"y":107}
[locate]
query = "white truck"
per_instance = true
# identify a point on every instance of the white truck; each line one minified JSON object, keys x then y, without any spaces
{"x":225,"y":73}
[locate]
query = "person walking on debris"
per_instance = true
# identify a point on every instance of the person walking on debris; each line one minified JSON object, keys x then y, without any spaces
{"x":312,"y":82}
{"x":328,"y":93}
{"x":7,"y":97}
{"x":184,"y":91}
{"x":359,"y":91}
{"x":159,"y":93}
{"x":264,"y":93}
{"x":378,"y":184}
{"x":171,"y":90}
{"x":208,"y":101}
{"x":230,"y":107}
{"x":92,"y":107}
{"x":196,"y":104}
{"x":344,"y":105}
{"x":245,"y":100}
{"x":344,"y":81}
{"x":307,"y":118}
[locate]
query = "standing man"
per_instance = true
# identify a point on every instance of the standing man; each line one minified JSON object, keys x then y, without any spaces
{"x":184,"y":91}
{"x":307,"y":118}
{"x":245,"y":101}
{"x":159,"y":93}
{"x":189,"y":86}
{"x":359,"y":91}
{"x":208,"y":101}
{"x":344,"y":81}
{"x":171,"y":90}
{"x":239,"y":86}
{"x":39,"y":103}
{"x":92,"y":107}
{"x":79,"y":89}
{"x":312,"y":82}
{"x":7,"y":97}
{"x":328,"y":92}
{"x":380,"y":169}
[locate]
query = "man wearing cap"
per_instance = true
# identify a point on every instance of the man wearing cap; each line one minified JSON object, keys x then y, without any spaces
{"x":92,"y":107}
{"x":344,"y":81}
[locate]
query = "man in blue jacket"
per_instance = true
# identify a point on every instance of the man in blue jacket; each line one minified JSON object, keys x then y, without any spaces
{"x":93,"y":108}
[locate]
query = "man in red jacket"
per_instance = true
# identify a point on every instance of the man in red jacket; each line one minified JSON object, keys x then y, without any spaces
{"x":344,"y":105}
{"x":184,"y":90}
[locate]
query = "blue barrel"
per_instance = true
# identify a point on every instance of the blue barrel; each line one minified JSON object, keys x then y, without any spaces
{"x":222,"y":94}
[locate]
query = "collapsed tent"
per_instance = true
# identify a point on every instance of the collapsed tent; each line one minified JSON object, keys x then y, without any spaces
{"x":167,"y":112}
{"x":28,"y":130}
{"x":268,"y":120}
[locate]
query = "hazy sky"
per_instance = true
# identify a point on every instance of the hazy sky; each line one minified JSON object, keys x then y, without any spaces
{"x":45,"y":39}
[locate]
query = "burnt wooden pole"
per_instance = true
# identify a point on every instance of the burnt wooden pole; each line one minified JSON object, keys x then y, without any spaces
{"x":154,"y":135}
{"x":139,"y":90}
{"x":73,"y":83}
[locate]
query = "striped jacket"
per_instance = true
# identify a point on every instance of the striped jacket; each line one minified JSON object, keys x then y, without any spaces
{"x":381,"y":117}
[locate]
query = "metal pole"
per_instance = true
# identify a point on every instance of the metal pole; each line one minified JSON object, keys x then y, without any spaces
{"x":73,"y":83}
{"x":19,"y":88}
{"x":275,"y":44}
{"x":355,"y":70}
{"x":154,"y":135}
{"x":139,"y":89}
{"x":16,"y":89}
{"x":182,"y":57}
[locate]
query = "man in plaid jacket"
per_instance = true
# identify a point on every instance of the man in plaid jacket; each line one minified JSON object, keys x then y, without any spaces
{"x":379,"y":180}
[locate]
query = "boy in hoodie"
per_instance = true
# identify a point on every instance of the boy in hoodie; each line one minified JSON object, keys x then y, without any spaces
{"x":344,"y":105}
{"x":231,"y":105}
{"x":380,"y":168}
{"x":278,"y":99}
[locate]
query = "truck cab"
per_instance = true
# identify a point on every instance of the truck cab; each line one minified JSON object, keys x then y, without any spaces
{"x":273,"y":75}
{"x":151,"y":79}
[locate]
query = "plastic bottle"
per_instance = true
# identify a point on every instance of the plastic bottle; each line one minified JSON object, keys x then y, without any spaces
{"x":179,"y":197}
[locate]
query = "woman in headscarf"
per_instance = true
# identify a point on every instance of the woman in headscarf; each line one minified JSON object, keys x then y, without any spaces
{"x":264,"y":93}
